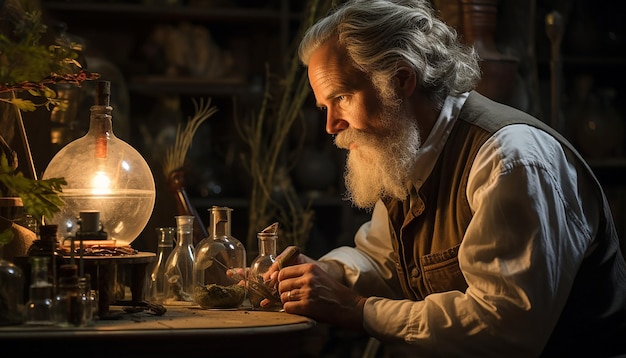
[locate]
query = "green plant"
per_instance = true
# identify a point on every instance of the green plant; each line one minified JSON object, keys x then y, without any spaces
{"x":27,"y":64}
{"x":30,"y":66}
{"x":40,"y":197}
{"x":273,"y":196}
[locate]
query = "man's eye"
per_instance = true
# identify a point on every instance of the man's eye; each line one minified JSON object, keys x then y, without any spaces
{"x":323,"y":108}
{"x":340,"y":98}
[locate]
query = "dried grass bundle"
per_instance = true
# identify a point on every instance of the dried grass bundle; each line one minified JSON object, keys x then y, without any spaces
{"x":175,"y":156}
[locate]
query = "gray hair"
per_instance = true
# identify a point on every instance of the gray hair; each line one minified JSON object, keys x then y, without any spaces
{"x":380,"y":35}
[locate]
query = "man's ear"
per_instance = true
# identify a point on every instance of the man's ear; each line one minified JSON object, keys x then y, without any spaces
{"x":405,"y":80}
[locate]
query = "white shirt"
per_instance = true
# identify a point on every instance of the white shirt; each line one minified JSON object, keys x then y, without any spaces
{"x":519,"y":255}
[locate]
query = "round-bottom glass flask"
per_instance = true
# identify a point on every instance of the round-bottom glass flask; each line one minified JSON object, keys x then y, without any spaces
{"x":219,"y":270}
{"x":105,"y":174}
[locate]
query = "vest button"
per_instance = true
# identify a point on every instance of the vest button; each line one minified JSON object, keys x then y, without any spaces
{"x":415,"y":272}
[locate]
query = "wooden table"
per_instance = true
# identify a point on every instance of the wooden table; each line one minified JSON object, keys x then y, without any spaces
{"x":180,"y":332}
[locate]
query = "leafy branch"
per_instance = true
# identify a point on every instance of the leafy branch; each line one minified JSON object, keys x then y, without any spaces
{"x":28,"y":65}
{"x":40,"y":197}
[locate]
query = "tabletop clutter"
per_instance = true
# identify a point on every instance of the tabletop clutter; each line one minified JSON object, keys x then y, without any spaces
{"x":74,"y":282}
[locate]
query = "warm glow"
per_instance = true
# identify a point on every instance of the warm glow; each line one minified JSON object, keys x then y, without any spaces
{"x":101,"y":184}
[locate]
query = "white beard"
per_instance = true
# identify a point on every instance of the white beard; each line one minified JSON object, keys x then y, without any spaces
{"x":381,"y":164}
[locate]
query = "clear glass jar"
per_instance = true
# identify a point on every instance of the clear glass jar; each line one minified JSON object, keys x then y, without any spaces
{"x":259,"y":288}
{"x":11,"y":292}
{"x":180,"y":264}
{"x":219,"y":271}
{"x":48,"y":246}
{"x":156,"y":281}
{"x":40,"y":308}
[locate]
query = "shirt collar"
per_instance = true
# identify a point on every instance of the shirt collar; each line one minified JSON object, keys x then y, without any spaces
{"x":429,"y":152}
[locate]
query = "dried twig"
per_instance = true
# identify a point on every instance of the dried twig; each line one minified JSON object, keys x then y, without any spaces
{"x":175,"y":155}
{"x":266,"y":135}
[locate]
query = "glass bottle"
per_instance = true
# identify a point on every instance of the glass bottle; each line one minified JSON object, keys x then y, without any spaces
{"x":103,"y":173}
{"x":86,"y":300}
{"x":179,"y":265}
{"x":219,"y":271}
{"x":68,"y":307}
{"x":11,"y":292}
{"x":156,"y":280}
{"x":39,"y":308}
{"x":48,"y":246}
{"x":260,"y":288}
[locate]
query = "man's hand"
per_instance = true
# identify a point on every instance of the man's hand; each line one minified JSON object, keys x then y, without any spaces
{"x":306,"y":289}
{"x":313,"y":288}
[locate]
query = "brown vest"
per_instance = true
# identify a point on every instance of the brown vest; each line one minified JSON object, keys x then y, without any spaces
{"x":427,"y":238}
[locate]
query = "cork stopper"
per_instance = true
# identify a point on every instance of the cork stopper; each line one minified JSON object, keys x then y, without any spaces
{"x":272,"y":229}
{"x":68,"y":274}
{"x":48,"y":232}
{"x":68,"y":270}
{"x":103,"y":93}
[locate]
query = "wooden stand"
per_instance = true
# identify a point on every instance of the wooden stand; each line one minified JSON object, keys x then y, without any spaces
{"x":103,"y":271}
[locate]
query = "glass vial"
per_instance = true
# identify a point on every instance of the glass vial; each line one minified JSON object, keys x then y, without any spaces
{"x":69,"y":310}
{"x":219,"y":271}
{"x":39,"y":308}
{"x":179,"y":265}
{"x":87,"y":302}
{"x":258,"y":287}
{"x":156,"y":280}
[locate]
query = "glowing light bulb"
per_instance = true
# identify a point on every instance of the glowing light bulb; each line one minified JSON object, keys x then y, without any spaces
{"x":105,"y":174}
{"x":101,"y":183}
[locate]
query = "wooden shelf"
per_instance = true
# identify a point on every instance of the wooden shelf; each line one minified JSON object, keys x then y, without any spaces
{"x":158,"y":84}
{"x":173,"y":12}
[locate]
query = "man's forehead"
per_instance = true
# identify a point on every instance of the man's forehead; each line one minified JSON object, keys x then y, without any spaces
{"x":331,"y":59}
{"x":330,"y":52}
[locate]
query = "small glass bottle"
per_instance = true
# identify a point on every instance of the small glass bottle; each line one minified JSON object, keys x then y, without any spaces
{"x":219,"y":271}
{"x":179,"y":265}
{"x":39,"y":308}
{"x":156,"y":280}
{"x":67,"y":303}
{"x":48,"y":246}
{"x":260,"y":288}
{"x":87,"y":303}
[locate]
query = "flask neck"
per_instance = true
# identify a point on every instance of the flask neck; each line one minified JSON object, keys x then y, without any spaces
{"x":221,"y":229}
{"x":101,"y":127}
{"x":220,"y":222}
{"x":184,"y":230}
{"x":166,"y":237}
{"x":185,"y":238}
{"x":267,"y":245}
{"x":101,"y":119}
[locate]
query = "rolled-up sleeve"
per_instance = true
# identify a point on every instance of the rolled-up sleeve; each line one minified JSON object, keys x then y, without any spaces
{"x":369,"y":266}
